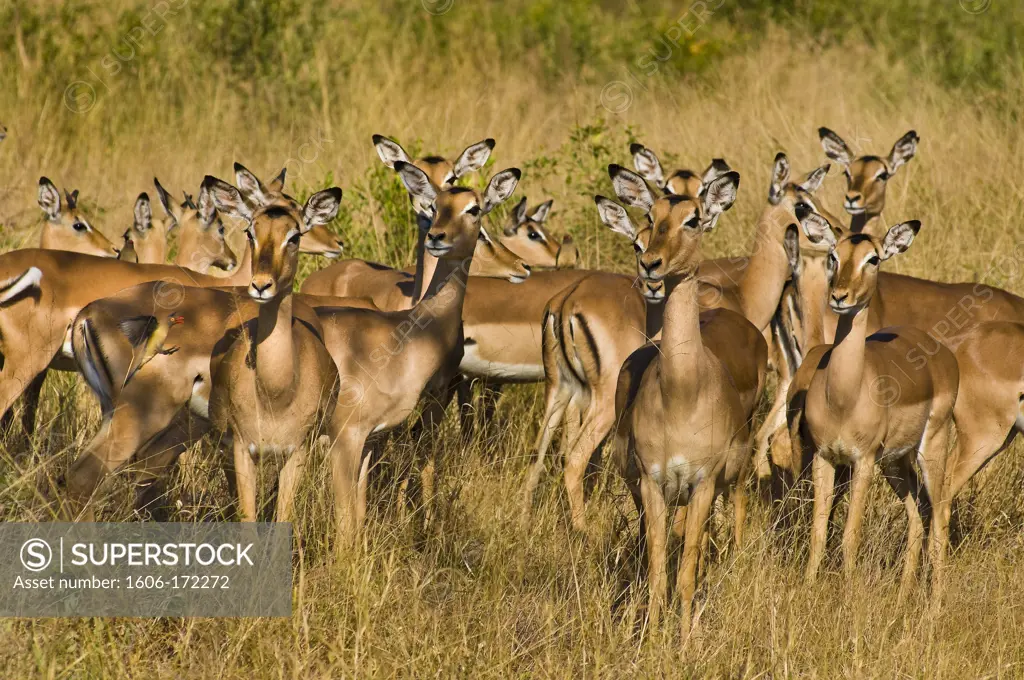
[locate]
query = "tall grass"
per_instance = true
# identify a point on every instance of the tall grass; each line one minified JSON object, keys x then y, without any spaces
{"x":477,"y":594}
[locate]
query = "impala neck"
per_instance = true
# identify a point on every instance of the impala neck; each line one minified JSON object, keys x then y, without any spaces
{"x":868,"y":223}
{"x":766,"y":273}
{"x":425,"y":263}
{"x":274,"y":346}
{"x":812,"y":293}
{"x":845,"y":372}
{"x":682,"y":351}
{"x":655,"y":317}
{"x":441,"y":307}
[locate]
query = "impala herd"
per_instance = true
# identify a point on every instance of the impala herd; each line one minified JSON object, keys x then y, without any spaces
{"x":667,"y":365}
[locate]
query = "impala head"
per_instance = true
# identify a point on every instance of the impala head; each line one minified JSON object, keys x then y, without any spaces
{"x":525,"y":235}
{"x":274,"y":228}
{"x":677,"y":224}
{"x":441,"y":172}
{"x":201,"y":232}
{"x":681,"y":182}
{"x":148,"y":235}
{"x":456,"y":213}
{"x":867,"y":176}
{"x":568,"y":255}
{"x":317,"y":241}
{"x":66,"y":228}
{"x":854,"y":259}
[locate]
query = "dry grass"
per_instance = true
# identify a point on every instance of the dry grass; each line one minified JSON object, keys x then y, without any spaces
{"x":478,"y":595}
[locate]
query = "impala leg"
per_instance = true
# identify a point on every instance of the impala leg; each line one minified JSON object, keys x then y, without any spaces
{"x":774,"y":426}
{"x":655,"y":516}
{"x":934,"y":465}
{"x":824,"y":476}
{"x":156,"y":460}
{"x":862,"y":471}
{"x":17,"y":378}
{"x":245,"y":480}
{"x":346,"y":465}
{"x":30,"y":402}
{"x":739,"y":499}
{"x":288,"y":484}
{"x":696,"y":524}
{"x":975,"y":448}
{"x":903,"y":480}
{"x":596,"y":426}
{"x":555,"y":405}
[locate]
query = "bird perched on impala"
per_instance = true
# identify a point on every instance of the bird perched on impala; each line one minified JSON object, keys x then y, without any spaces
{"x":149,"y":333}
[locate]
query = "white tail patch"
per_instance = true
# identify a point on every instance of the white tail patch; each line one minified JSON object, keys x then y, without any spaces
{"x":12,"y":288}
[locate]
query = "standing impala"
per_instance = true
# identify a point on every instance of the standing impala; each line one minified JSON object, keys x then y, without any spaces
{"x":871,"y":399}
{"x":276,"y":384}
{"x":683,"y":433}
{"x":387,"y":360}
{"x":66,"y":228}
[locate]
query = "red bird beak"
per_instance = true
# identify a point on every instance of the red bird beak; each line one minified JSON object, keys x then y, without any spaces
{"x":176,"y":320}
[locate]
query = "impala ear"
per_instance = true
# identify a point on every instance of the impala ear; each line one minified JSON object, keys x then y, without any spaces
{"x":647,"y":165}
{"x":791,"y":244}
{"x":899,"y":237}
{"x":72,"y":199}
{"x":902,"y":151}
{"x":143,"y":213}
{"x":49,"y":199}
{"x":500,"y":188}
{"x":780,"y":175}
{"x":276,"y":185}
{"x":390,"y":151}
{"x":321,"y":208}
{"x":216,"y":194}
{"x":717,"y":168}
{"x":818,"y":230}
{"x":814,"y":178}
{"x":631,"y":188}
{"x":416,"y":181}
{"x":615,"y":217}
{"x":518,"y":216}
{"x":250,"y":186}
{"x":834,"y":146}
{"x":473,"y":157}
{"x":541,"y":212}
{"x":169,"y":206}
{"x":717,"y":197}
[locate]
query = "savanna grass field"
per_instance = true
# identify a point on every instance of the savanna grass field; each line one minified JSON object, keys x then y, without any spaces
{"x":103,"y":96}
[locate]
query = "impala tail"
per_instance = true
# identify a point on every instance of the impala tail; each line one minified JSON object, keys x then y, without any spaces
{"x":12,"y":288}
{"x":92,"y":363}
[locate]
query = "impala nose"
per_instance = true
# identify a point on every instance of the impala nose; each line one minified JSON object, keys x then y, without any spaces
{"x":853,"y":198}
{"x":838,"y":299}
{"x":650,"y":267}
{"x":260,"y":290}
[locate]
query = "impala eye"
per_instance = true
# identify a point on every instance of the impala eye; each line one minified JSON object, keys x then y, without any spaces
{"x":80,"y":226}
{"x":535,"y":236}
{"x":636,"y":247}
{"x":692,"y":223}
{"x":883,"y":175}
{"x":474,"y":211}
{"x":220,"y":230}
{"x":873,"y":260}
{"x":294,"y":240}
{"x":250,"y":236}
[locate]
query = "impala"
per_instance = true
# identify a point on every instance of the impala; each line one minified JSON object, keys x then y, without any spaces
{"x":525,"y":236}
{"x":682,"y":408}
{"x":387,"y":360}
{"x":589,"y":330}
{"x":867,"y":399}
{"x":867,"y":178}
{"x":275,"y":385}
{"x":66,"y":228}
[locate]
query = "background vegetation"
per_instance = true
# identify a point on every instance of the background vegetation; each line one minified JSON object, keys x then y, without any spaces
{"x":102,"y":96}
